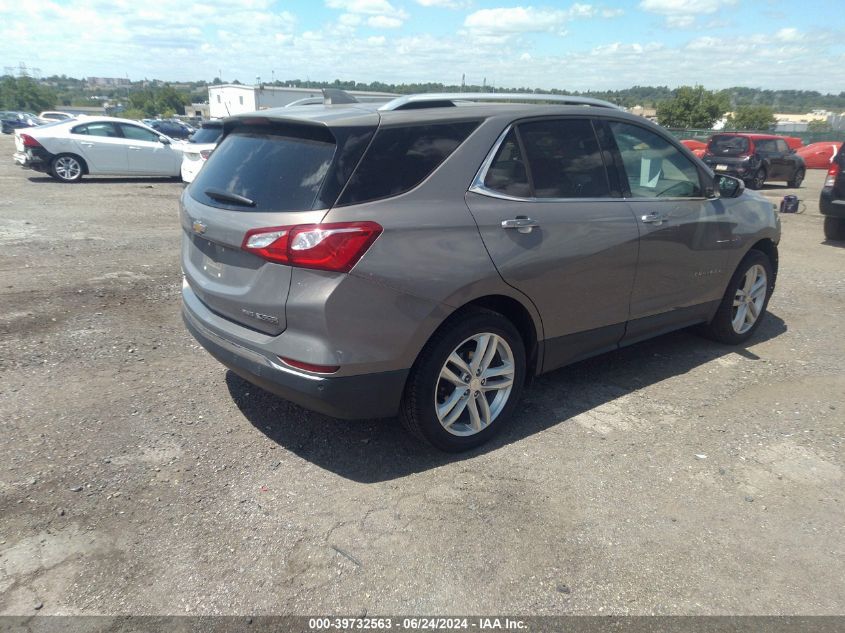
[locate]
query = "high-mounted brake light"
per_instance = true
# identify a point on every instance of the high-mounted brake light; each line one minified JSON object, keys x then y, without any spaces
{"x":832,"y":173}
{"x":335,"y":246}
{"x":28,"y":141}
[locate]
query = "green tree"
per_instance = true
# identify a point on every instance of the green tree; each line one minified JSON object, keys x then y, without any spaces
{"x":692,"y":107}
{"x":24,"y":93}
{"x":164,"y":100}
{"x":819,"y":126}
{"x":752,"y":117}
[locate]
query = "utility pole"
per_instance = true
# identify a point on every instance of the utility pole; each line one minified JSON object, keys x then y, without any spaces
{"x":463,"y":81}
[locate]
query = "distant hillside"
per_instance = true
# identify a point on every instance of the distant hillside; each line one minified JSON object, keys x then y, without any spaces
{"x":78,"y":92}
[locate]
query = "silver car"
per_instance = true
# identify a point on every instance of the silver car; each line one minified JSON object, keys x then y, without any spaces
{"x":425,"y":256}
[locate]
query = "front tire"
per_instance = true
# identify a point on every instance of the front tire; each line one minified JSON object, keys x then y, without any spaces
{"x":834,"y":229}
{"x":67,"y":168}
{"x":797,"y":179}
{"x":466,"y":381}
{"x":744,"y":304}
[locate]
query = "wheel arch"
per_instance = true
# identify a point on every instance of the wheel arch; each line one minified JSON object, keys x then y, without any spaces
{"x":768,"y":247}
{"x":525,"y":320}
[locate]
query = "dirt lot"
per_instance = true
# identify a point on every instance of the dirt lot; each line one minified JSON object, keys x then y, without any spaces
{"x":138,"y":476}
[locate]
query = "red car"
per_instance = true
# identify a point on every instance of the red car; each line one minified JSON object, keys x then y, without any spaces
{"x":819,"y":155}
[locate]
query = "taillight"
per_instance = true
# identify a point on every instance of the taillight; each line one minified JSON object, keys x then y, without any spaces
{"x":832,"y":173}
{"x":205,"y":153}
{"x":28,"y":141}
{"x":336,"y":246}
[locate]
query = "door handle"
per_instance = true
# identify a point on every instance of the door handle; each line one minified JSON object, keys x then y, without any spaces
{"x":520,"y":223}
{"x":86,"y":144}
{"x":654,"y":217}
{"x":133,"y":147}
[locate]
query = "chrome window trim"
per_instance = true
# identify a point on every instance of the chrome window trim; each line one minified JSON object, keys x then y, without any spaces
{"x":478,"y":186}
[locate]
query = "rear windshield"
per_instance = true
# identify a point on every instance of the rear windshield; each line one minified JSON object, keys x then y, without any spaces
{"x":728,"y":145}
{"x":278,"y":170}
{"x":400,"y":158}
{"x":209,"y":134}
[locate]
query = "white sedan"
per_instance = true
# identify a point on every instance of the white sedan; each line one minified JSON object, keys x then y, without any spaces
{"x":97,"y":146}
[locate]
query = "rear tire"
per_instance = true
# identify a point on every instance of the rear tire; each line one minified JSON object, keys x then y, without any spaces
{"x":67,"y":168}
{"x":834,"y":229}
{"x":758,"y":180}
{"x":797,"y":179}
{"x":466,"y":382}
{"x":744,"y":304}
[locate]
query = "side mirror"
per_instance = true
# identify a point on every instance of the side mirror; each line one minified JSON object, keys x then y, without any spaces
{"x":728,"y":186}
{"x":163,"y":140}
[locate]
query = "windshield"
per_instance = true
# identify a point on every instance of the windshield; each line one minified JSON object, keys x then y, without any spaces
{"x":210,"y":134}
{"x":725,"y":145}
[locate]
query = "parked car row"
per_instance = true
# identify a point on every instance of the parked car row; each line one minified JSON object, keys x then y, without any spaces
{"x":12,"y":120}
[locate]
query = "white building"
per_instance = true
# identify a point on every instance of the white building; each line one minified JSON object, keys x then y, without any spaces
{"x":228,"y":99}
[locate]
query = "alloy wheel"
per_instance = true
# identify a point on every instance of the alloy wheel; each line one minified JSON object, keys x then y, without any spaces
{"x":474,"y":384}
{"x":68,"y":168}
{"x":749,"y":299}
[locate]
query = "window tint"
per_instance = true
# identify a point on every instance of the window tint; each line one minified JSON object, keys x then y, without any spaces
{"x":782,"y":146}
{"x":282,"y":170}
{"x":725,"y":145}
{"x":507,"y":173}
{"x":138,"y":133}
{"x":564,"y":159}
{"x":400,"y":158}
{"x":96,"y":129}
{"x":766,"y":145}
{"x":207,"y":134}
{"x":653,"y":166}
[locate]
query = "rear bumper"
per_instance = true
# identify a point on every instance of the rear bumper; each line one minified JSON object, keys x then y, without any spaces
{"x":350,"y":397}
{"x":830,"y":206}
{"x":29,"y":159}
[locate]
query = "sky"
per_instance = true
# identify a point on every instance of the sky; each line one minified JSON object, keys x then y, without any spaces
{"x":590,"y":45}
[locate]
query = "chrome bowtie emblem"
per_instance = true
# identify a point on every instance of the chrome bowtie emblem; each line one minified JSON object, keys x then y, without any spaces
{"x":198,"y":227}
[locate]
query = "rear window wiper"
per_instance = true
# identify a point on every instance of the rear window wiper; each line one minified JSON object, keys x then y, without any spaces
{"x":225,"y":196}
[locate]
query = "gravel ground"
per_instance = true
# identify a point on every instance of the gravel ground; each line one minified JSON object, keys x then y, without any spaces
{"x":138,"y":476}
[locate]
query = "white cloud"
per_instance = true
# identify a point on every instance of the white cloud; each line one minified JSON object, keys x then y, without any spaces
{"x":369,"y":7}
{"x":506,"y":21}
{"x":245,"y":38}
{"x":680,"y":21}
{"x":384,"y":22}
{"x":682,"y":13}
{"x":612,"y":13}
{"x":446,"y":4}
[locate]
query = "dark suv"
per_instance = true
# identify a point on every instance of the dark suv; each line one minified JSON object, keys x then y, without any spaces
{"x":832,"y":200}
{"x":756,"y":158}
{"x":426,"y":256}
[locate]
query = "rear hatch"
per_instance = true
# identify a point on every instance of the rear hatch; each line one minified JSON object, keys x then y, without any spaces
{"x":727,"y":151}
{"x":265,"y":172}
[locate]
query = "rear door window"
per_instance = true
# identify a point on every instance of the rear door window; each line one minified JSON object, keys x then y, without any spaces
{"x":400,"y":158}
{"x":97,"y":129}
{"x":279,"y":168}
{"x":507,"y":173}
{"x":207,"y":134}
{"x":564,"y":159}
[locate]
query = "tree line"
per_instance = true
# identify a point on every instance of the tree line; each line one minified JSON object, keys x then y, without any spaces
{"x":686,"y":106}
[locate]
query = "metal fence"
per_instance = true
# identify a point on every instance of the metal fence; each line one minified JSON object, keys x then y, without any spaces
{"x":806,"y":137}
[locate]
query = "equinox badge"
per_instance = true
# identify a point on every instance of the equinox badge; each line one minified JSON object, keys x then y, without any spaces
{"x":198,"y":227}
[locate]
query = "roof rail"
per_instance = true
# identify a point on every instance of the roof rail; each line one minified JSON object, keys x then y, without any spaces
{"x":439,"y":100}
